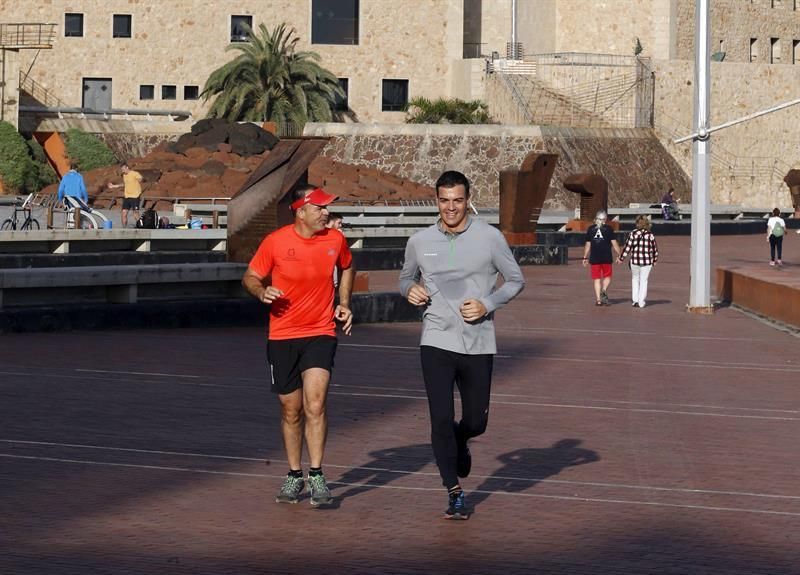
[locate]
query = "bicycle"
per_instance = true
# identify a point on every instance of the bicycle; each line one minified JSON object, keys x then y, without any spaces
{"x":29,"y":223}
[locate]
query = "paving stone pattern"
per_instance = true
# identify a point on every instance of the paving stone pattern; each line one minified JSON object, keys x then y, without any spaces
{"x":620,"y":441}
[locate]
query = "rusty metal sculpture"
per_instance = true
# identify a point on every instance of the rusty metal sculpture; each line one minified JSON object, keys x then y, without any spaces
{"x":792,"y":179}
{"x":593,"y":190}
{"x":522,"y":195}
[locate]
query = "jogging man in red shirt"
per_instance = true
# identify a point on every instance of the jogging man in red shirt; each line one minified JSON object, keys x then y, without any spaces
{"x":291,"y":272}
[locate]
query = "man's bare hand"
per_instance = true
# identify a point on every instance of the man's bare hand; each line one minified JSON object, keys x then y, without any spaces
{"x":270,"y":294}
{"x":472,"y":310}
{"x":418,"y":295}
{"x":344,"y":315}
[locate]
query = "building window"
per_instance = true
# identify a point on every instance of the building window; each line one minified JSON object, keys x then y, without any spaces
{"x":776,"y":3}
{"x":774,"y":50}
{"x":191,"y":93}
{"x":123,"y":26}
{"x":334,"y":22}
{"x":795,"y":51}
{"x":147,"y":92}
{"x":395,"y":95}
{"x":754,"y":49}
{"x":340,"y":104}
{"x":240,"y":28}
{"x":169,"y":92}
{"x":73,"y":25}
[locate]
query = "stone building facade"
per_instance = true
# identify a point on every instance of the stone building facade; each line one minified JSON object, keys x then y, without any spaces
{"x":433,"y":48}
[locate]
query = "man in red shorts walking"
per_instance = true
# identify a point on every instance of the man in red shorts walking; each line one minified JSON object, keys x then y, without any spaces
{"x":600,"y":240}
{"x":291,"y":272}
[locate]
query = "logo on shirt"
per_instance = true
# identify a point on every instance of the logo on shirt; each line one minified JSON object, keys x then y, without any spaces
{"x":598,"y":235}
{"x":430,"y":255}
{"x":331,"y":252}
{"x":290,"y":254}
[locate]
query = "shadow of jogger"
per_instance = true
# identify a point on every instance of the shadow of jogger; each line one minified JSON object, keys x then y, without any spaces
{"x":386,"y":466}
{"x":524,"y":468}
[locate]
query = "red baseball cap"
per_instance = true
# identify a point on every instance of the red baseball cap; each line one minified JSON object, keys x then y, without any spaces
{"x":317,"y":196}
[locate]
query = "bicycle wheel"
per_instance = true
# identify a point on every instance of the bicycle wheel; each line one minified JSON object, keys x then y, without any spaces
{"x":30,"y":224}
{"x":7,"y":225}
{"x":87,"y":222}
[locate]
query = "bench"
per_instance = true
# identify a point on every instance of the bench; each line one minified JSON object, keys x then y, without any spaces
{"x":119,"y":284}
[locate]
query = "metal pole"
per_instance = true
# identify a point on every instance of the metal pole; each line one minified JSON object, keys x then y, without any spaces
{"x":700,"y":265}
{"x":3,"y":86}
{"x":514,"y":30}
{"x":746,"y":118}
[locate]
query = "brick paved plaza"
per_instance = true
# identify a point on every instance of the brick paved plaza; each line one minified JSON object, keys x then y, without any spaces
{"x":620,"y":441}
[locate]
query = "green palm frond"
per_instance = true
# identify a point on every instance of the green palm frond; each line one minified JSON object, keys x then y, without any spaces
{"x":271,"y":80}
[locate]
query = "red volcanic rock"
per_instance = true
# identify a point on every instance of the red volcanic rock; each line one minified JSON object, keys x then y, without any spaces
{"x":203,"y":164}
{"x":232,"y":180}
{"x":197,"y":153}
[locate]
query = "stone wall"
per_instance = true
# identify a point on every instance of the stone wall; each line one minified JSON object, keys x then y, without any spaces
{"x":633,"y":161}
{"x":735,"y":22}
{"x":181,"y":43}
{"x":749,"y":159}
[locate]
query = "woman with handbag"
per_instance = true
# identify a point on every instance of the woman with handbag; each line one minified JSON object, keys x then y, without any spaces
{"x":643,"y":249}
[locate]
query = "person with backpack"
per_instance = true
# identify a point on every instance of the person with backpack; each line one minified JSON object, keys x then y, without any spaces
{"x":776,"y":227}
{"x":642,"y":247}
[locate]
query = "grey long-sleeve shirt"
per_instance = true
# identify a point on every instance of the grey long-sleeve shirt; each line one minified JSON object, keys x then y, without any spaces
{"x":454,"y":268}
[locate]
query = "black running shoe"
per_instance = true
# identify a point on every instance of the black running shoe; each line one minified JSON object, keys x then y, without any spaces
{"x":457,"y":507}
{"x":604,"y":298}
{"x":464,"y":461}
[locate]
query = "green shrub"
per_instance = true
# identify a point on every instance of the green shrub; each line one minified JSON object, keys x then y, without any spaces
{"x":16,"y":164}
{"x":87,"y":151}
{"x":442,"y":111}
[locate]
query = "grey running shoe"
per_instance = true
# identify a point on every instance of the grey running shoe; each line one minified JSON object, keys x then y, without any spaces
{"x":290,"y":490}
{"x":604,"y":297}
{"x":320,"y":494}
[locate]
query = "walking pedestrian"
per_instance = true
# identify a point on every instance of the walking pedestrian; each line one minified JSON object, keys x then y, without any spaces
{"x":776,"y":228}
{"x":451,"y":269}
{"x":643,"y":249}
{"x":300,"y":258}
{"x":600,"y":241}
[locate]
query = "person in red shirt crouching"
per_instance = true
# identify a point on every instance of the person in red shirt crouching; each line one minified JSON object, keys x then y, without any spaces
{"x":292,"y":272}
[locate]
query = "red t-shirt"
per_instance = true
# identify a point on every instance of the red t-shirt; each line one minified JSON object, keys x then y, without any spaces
{"x":303,"y":269}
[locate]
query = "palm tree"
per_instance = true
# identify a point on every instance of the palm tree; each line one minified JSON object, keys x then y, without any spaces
{"x":441,"y":111}
{"x":270,"y":80}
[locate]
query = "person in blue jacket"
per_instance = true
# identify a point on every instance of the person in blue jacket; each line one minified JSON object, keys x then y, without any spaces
{"x":72,"y":184}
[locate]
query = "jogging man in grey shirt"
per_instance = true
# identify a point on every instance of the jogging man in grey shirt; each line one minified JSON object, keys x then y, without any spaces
{"x":451,"y":269}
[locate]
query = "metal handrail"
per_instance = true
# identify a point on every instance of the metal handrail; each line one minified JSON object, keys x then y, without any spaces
{"x":83,"y":112}
{"x":38,"y":92}
{"x":582,"y":59}
{"x":27,"y":35}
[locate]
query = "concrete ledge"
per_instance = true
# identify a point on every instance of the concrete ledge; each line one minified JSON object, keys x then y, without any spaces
{"x":367,"y":308}
{"x":769,"y":292}
{"x":68,"y":241}
{"x":118,"y":284}
{"x":118,"y":258}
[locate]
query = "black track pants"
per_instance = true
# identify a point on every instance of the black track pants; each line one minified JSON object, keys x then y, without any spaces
{"x":441,"y":369}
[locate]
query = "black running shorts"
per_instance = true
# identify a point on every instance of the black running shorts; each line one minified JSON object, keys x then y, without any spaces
{"x":289,"y":358}
{"x":130,"y":204}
